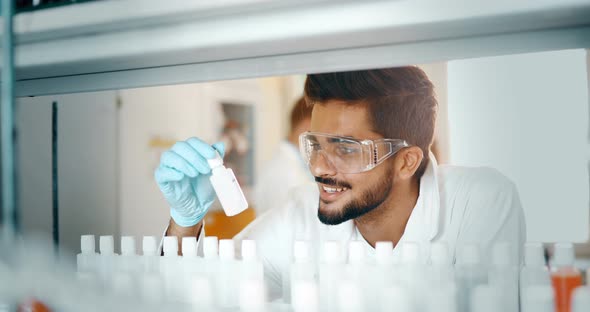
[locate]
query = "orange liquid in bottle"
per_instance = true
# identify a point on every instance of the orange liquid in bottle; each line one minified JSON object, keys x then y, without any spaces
{"x":564,"y":281}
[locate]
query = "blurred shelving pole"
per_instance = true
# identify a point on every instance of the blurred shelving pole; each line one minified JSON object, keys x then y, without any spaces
{"x":9,"y":200}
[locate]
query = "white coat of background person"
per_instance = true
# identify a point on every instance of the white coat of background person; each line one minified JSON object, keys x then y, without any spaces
{"x":375,"y":178}
{"x":286,"y":168}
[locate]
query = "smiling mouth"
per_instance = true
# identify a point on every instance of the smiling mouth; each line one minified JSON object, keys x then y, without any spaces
{"x":333,"y":190}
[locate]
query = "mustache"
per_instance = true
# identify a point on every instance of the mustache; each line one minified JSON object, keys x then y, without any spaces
{"x":332,"y":182}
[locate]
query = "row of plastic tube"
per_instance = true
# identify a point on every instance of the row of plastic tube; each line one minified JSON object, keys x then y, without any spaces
{"x":342,"y":279}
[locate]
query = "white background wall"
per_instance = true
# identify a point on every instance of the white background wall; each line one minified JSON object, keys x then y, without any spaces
{"x":527,"y":115}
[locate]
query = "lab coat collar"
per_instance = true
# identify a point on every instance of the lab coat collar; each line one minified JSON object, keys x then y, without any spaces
{"x":424,"y":222}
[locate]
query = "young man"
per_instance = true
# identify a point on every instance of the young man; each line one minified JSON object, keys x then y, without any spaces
{"x":376,"y":180}
{"x":286,"y":168}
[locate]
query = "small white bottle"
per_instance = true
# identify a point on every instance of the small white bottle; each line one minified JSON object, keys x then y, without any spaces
{"x":87,"y":259}
{"x":302,"y":269}
{"x":226,"y":187}
{"x":150,"y":258}
{"x":191,"y":264}
{"x":170,"y":269}
{"x":331,"y":269}
{"x":108,"y":257}
{"x":251,"y":267}
{"x":538,"y":298}
{"x":383,"y":274}
{"x":356,"y":267}
{"x":504,"y":275}
{"x":581,"y":299}
{"x":128,"y":261}
{"x":228,"y":275}
{"x":534,"y":272}
{"x":469,"y":273}
{"x":412,"y":270}
{"x":211,"y":263}
{"x":357,"y":271}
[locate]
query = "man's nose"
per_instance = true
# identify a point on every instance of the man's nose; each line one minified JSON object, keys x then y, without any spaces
{"x":322,"y":166}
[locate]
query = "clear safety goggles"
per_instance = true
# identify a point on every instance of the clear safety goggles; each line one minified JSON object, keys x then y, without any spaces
{"x":347,"y":155}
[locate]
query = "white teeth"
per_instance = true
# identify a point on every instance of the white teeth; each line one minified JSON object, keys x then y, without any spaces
{"x":334,"y":190}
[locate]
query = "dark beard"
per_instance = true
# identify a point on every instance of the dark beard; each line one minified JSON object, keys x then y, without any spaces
{"x":368,"y":202}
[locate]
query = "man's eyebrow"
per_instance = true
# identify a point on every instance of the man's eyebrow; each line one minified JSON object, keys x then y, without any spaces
{"x":338,"y":139}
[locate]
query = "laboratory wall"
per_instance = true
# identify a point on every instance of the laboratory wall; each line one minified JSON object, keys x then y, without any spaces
{"x":527,"y":115}
{"x":87,"y":162}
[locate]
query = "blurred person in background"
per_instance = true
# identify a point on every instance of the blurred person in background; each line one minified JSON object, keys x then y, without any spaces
{"x":286,"y":168}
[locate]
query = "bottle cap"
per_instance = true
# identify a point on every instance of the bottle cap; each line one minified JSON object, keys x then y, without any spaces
{"x":301,"y":252}
{"x":439,"y":254}
{"x":87,"y":244}
{"x":252,"y":296}
{"x":210,"y":247}
{"x":149,"y":246}
{"x":249,"y":250}
{"x":538,"y":298}
{"x":127,"y":245}
{"x":356,"y":252}
{"x":227,"y":249}
{"x":215,"y":162}
{"x":331,"y":252}
{"x":410,"y":252}
{"x":106,"y":245}
{"x":384,"y":253}
{"x":189,"y":246}
{"x":170,"y":246}
{"x":581,"y":299}
{"x":563,"y":255}
{"x":501,"y":254}
{"x":533,"y":254}
{"x":469,"y":254}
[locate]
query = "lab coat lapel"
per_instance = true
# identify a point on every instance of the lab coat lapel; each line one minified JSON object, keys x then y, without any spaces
{"x":423,"y":224}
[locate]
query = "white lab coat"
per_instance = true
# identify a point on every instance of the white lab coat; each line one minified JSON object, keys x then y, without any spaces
{"x":455,"y":205}
{"x":283,"y":172}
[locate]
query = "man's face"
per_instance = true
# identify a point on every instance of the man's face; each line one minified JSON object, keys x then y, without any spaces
{"x":356,"y":194}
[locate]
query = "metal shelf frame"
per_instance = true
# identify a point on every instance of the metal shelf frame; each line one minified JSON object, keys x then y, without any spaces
{"x":107,"y":45}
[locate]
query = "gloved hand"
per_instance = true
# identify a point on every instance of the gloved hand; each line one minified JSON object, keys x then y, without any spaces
{"x":183,"y":177}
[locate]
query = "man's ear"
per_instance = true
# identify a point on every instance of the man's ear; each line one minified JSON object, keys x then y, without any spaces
{"x":407,"y":162}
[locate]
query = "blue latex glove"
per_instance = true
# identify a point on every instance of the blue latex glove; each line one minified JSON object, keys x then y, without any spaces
{"x":183,"y":177}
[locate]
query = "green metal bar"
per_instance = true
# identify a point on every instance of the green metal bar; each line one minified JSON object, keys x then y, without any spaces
{"x":9,"y":198}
